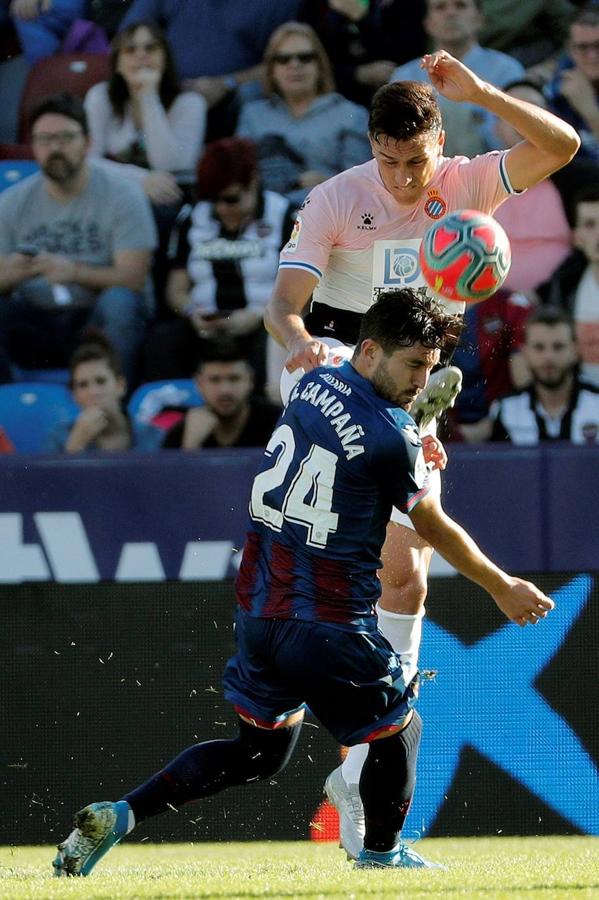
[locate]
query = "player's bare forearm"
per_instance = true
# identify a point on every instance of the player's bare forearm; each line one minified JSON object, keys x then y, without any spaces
{"x":456,"y":546}
{"x":284,"y":323}
{"x":548,"y":142}
{"x":283,"y":319}
{"x":519,"y":600}
{"x":537,"y":125}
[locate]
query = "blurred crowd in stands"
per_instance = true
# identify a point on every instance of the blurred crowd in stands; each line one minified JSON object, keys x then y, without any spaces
{"x":191,"y":131}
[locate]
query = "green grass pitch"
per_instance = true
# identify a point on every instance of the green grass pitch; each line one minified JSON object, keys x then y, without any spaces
{"x":485,"y":868}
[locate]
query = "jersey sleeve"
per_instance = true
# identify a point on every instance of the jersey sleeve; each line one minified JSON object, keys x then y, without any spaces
{"x":313,"y":235}
{"x":400,"y":466}
{"x":485,"y":181}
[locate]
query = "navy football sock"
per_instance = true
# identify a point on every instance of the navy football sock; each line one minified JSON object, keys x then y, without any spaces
{"x":387,"y":784}
{"x":205,"y":769}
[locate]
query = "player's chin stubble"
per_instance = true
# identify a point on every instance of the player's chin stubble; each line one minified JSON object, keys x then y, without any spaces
{"x":386,"y":388}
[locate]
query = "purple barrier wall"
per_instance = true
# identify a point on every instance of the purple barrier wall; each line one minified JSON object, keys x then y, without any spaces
{"x":183,"y":516}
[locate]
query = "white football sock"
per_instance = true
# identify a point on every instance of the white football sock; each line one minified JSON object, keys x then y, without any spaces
{"x":403,"y":633}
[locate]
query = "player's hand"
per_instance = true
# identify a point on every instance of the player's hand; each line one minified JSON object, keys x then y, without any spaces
{"x":579,"y":92}
{"x":522,"y":602}
{"x":434,"y":452}
{"x":452,"y":78}
{"x":307,"y":355}
{"x":56,"y":268}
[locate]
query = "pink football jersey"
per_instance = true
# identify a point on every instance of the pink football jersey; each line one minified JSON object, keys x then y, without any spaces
{"x":357,"y":240}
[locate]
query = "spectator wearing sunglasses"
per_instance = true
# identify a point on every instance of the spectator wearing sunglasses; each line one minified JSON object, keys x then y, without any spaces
{"x":141,"y":117}
{"x":305,"y":131}
{"x":224,"y":259}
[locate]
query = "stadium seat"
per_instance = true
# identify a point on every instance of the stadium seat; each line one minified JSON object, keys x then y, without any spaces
{"x":151,"y":401}
{"x":28,"y":412}
{"x":72,"y":72}
{"x":13,"y":170}
{"x":48,"y":376}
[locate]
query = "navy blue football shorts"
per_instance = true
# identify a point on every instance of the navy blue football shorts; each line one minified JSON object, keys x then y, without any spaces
{"x":352,"y":682}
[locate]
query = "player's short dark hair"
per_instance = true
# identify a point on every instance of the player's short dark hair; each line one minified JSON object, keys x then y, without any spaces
{"x":403,"y":317}
{"x":404,"y":109}
{"x":94,"y":347}
{"x":63,"y":104}
{"x":550,"y":316}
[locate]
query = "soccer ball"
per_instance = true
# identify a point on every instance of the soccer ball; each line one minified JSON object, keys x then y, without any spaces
{"x":465,"y":256}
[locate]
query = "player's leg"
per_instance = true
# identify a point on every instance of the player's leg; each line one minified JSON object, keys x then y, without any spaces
{"x":386,"y":786}
{"x":199,"y":771}
{"x":362,"y":697}
{"x":406,"y":560}
{"x":269,"y":725}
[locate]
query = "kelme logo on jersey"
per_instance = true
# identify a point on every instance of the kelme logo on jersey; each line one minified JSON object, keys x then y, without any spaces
{"x":435,"y":206}
{"x":293,"y":241}
{"x":402,"y":266}
{"x":367,"y":222}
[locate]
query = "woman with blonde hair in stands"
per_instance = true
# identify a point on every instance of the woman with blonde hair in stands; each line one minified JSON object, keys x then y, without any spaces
{"x":305,"y":131}
{"x":142,"y":117}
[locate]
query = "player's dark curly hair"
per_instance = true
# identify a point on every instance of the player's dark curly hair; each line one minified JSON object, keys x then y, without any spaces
{"x":403,"y":109}
{"x":403,"y":317}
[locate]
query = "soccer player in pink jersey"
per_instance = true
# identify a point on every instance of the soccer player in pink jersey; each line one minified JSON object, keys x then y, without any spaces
{"x":358,"y":234}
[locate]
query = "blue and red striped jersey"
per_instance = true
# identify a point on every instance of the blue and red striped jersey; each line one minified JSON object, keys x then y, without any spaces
{"x":339,"y":459}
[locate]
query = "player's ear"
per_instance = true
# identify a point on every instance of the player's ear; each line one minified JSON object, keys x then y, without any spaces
{"x":370,"y":349}
{"x":441,"y":139}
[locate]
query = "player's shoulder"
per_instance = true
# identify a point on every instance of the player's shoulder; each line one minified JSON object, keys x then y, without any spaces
{"x":347,"y":187}
{"x":397,"y":429}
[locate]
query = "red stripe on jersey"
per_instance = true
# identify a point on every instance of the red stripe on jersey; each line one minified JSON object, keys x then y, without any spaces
{"x":246,"y":577}
{"x":332,"y":585}
{"x":279,"y":601}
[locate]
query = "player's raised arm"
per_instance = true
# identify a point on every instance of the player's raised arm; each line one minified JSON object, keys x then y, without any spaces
{"x":548,"y":142}
{"x":519,"y":600}
{"x":283,"y":319}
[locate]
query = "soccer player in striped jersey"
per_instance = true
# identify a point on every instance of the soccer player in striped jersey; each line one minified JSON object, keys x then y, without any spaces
{"x":344,"y":451}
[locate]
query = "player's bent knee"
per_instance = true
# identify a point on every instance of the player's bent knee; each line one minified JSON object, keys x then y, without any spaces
{"x":266,"y":752}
